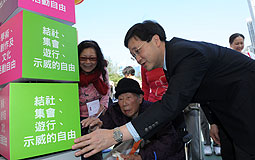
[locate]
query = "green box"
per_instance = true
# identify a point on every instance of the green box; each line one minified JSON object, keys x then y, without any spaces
{"x":38,"y":119}
{"x":33,"y":47}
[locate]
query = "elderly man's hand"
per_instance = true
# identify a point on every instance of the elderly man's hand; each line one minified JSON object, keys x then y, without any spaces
{"x":92,"y":122}
{"x":94,"y":142}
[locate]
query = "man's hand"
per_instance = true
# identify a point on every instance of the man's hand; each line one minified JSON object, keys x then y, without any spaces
{"x":92,"y":122}
{"x":97,"y":141}
{"x":94,"y":142}
{"x":131,"y":157}
{"x":214,"y":133}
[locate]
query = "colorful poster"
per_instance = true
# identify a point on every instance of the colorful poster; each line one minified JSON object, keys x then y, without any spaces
{"x":11,"y":50}
{"x":44,"y":118}
{"x":63,"y":10}
{"x":49,"y":49}
{"x":37,"y":48}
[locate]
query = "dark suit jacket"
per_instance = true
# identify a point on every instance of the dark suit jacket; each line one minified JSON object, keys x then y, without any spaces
{"x":203,"y":72}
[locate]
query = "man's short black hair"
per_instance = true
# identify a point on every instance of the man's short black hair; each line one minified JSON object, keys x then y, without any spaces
{"x":145,"y":31}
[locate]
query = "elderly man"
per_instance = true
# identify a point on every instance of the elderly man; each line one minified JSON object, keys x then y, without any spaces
{"x":166,"y":144}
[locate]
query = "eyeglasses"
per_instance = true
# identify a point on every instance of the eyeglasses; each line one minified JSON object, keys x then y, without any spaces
{"x":92,"y":59}
{"x":137,"y":51}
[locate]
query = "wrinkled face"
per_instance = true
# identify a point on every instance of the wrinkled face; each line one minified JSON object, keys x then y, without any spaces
{"x":88,"y":60}
{"x":238,"y":44}
{"x":148,"y":54}
{"x":129,"y":103}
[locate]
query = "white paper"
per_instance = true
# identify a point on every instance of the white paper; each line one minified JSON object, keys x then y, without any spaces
{"x":117,"y":154}
{"x":93,"y":107}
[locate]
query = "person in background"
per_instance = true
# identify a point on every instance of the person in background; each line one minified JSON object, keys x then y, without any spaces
{"x":129,"y":72}
{"x":94,"y":83}
{"x":112,"y":92}
{"x":198,"y":72}
{"x":236,"y":42}
{"x":154,"y":84}
{"x":165,"y":145}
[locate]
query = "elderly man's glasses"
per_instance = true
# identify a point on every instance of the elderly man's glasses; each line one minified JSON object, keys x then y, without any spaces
{"x":137,"y":50}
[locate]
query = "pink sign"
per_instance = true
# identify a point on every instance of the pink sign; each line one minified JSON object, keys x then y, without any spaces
{"x":4,"y":123}
{"x":60,"y":10}
{"x":11,"y":49}
{"x":55,"y":8}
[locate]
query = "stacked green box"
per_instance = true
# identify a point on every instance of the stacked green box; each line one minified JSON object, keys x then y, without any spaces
{"x":38,"y":118}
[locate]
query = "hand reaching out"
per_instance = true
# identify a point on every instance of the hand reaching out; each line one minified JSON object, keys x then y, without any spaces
{"x":94,"y":142}
{"x":97,"y":141}
{"x":214,"y":133}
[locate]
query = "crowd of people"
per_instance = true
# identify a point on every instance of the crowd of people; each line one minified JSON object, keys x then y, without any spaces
{"x":185,"y":86}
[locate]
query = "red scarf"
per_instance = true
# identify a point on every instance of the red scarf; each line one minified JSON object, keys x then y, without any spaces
{"x":95,"y":79}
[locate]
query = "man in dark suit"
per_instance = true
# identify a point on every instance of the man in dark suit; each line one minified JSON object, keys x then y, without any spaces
{"x":198,"y":72}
